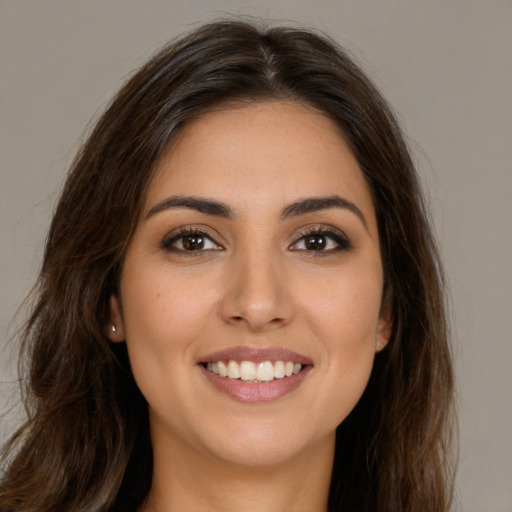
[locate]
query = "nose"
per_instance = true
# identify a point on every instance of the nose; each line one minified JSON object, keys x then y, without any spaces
{"x":257,"y":293}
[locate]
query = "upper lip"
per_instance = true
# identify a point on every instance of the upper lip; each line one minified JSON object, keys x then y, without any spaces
{"x":256,"y":354}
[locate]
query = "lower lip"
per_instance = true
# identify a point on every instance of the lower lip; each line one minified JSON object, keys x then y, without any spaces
{"x":251,"y":392}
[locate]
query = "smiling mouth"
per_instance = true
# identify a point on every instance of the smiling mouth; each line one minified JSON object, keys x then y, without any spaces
{"x":254,"y":372}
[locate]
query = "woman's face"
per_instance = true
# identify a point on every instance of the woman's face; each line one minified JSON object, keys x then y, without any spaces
{"x":256,"y":254}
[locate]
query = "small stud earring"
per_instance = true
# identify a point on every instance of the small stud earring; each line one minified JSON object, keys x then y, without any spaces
{"x":113,"y":328}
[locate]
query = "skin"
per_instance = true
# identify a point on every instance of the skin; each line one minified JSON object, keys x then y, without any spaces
{"x":258,"y":284}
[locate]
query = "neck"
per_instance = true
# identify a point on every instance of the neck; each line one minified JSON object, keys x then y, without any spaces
{"x":185,"y":481}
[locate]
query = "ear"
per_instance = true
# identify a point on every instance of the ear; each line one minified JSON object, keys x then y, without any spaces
{"x":115,"y":327}
{"x":384,"y":325}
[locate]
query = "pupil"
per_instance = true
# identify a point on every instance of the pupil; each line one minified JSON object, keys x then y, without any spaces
{"x":193,"y":242}
{"x":315,"y":242}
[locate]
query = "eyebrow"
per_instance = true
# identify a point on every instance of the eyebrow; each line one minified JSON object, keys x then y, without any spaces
{"x":316,"y":204}
{"x":219,"y":209}
{"x":207,"y":206}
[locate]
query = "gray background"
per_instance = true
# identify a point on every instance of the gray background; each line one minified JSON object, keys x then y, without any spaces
{"x":446,"y":66}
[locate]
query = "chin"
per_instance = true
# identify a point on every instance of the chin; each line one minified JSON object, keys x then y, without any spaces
{"x":264,"y":444}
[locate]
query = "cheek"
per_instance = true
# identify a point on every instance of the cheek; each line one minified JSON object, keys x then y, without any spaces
{"x":164,"y":305}
{"x":344,"y":307}
{"x":163,"y":317}
{"x":165,"y":314}
{"x":343,"y":314}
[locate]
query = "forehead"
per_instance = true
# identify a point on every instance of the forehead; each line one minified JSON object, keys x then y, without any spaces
{"x":261,"y":154}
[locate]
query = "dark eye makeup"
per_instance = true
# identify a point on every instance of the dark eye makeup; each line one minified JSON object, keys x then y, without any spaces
{"x":190,"y":240}
{"x":322,"y":241}
{"x":316,"y":240}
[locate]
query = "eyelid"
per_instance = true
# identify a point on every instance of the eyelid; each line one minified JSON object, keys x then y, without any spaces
{"x":341,"y":239}
{"x":183,"y":231}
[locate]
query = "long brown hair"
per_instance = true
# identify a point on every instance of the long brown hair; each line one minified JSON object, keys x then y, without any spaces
{"x":85,"y":445}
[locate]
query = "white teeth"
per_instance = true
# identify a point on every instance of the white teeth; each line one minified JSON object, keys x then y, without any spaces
{"x":263,"y":371}
{"x":279,"y":370}
{"x":247,"y":370}
{"x":233,"y":370}
{"x":223,"y":369}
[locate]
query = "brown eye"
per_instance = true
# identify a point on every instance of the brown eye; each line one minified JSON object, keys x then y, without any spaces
{"x":193,"y":242}
{"x":190,"y":241}
{"x":322,"y":241}
{"x":315,"y":242}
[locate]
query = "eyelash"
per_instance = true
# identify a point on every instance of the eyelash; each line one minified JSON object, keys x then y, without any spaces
{"x":338,"y":237}
{"x":168,"y":242}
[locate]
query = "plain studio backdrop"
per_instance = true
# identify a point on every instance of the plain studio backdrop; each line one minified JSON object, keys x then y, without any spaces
{"x":446,"y":67}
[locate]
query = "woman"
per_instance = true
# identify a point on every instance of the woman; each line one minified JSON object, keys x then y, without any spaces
{"x":241,"y":303}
